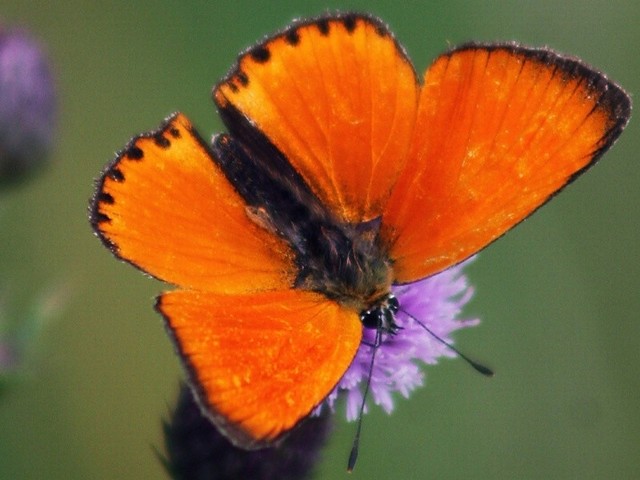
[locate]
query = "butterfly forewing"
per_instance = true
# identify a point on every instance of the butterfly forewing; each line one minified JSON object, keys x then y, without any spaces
{"x":499,"y":130}
{"x":165,"y":206}
{"x":338,"y":97}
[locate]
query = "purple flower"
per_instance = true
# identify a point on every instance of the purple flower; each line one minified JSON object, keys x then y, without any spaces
{"x":27,"y":105}
{"x":436,"y":301}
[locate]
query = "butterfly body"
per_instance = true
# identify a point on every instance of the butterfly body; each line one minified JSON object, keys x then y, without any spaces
{"x":342,"y":174}
{"x":345,"y":262}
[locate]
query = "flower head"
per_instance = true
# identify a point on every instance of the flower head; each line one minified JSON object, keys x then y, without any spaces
{"x":436,"y":302}
{"x":27,"y":105}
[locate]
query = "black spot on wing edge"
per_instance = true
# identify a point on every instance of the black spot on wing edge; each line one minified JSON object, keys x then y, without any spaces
{"x":292,"y":37}
{"x":350,"y":21}
{"x":174,"y":132}
{"x":242,"y":78}
{"x":323,"y":26}
{"x":260,"y":53}
{"x":134,"y":153}
{"x":105,"y":197}
{"x":115,"y":174}
{"x":160,"y":140}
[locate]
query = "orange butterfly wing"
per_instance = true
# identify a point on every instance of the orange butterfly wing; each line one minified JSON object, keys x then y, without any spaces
{"x":338,"y":97}
{"x":260,"y":355}
{"x":260,"y":363}
{"x":499,"y":130}
{"x":166,"y":207}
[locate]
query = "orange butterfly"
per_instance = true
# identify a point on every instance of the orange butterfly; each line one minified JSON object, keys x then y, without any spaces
{"x":341,"y":175}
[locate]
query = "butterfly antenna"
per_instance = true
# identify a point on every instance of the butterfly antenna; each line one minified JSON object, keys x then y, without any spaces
{"x":353,"y":456}
{"x":477,"y":366}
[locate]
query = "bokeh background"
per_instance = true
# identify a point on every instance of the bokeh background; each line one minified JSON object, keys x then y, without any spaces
{"x":558,"y":296}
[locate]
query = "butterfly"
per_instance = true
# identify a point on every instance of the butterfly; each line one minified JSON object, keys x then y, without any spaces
{"x":342,"y":174}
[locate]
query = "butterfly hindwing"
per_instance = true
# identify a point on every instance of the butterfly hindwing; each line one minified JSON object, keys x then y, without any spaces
{"x":499,"y":130}
{"x":165,"y":206}
{"x":260,"y":363}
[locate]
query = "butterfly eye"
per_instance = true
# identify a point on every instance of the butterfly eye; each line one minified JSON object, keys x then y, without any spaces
{"x":371,"y":318}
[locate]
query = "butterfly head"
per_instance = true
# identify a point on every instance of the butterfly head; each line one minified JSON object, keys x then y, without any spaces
{"x":381,"y":315}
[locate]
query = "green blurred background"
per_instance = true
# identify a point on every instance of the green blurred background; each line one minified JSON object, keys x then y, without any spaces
{"x":558,"y":296}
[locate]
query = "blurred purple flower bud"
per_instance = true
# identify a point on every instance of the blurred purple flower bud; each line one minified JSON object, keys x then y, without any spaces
{"x":27,"y":105}
{"x":196,"y":450}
